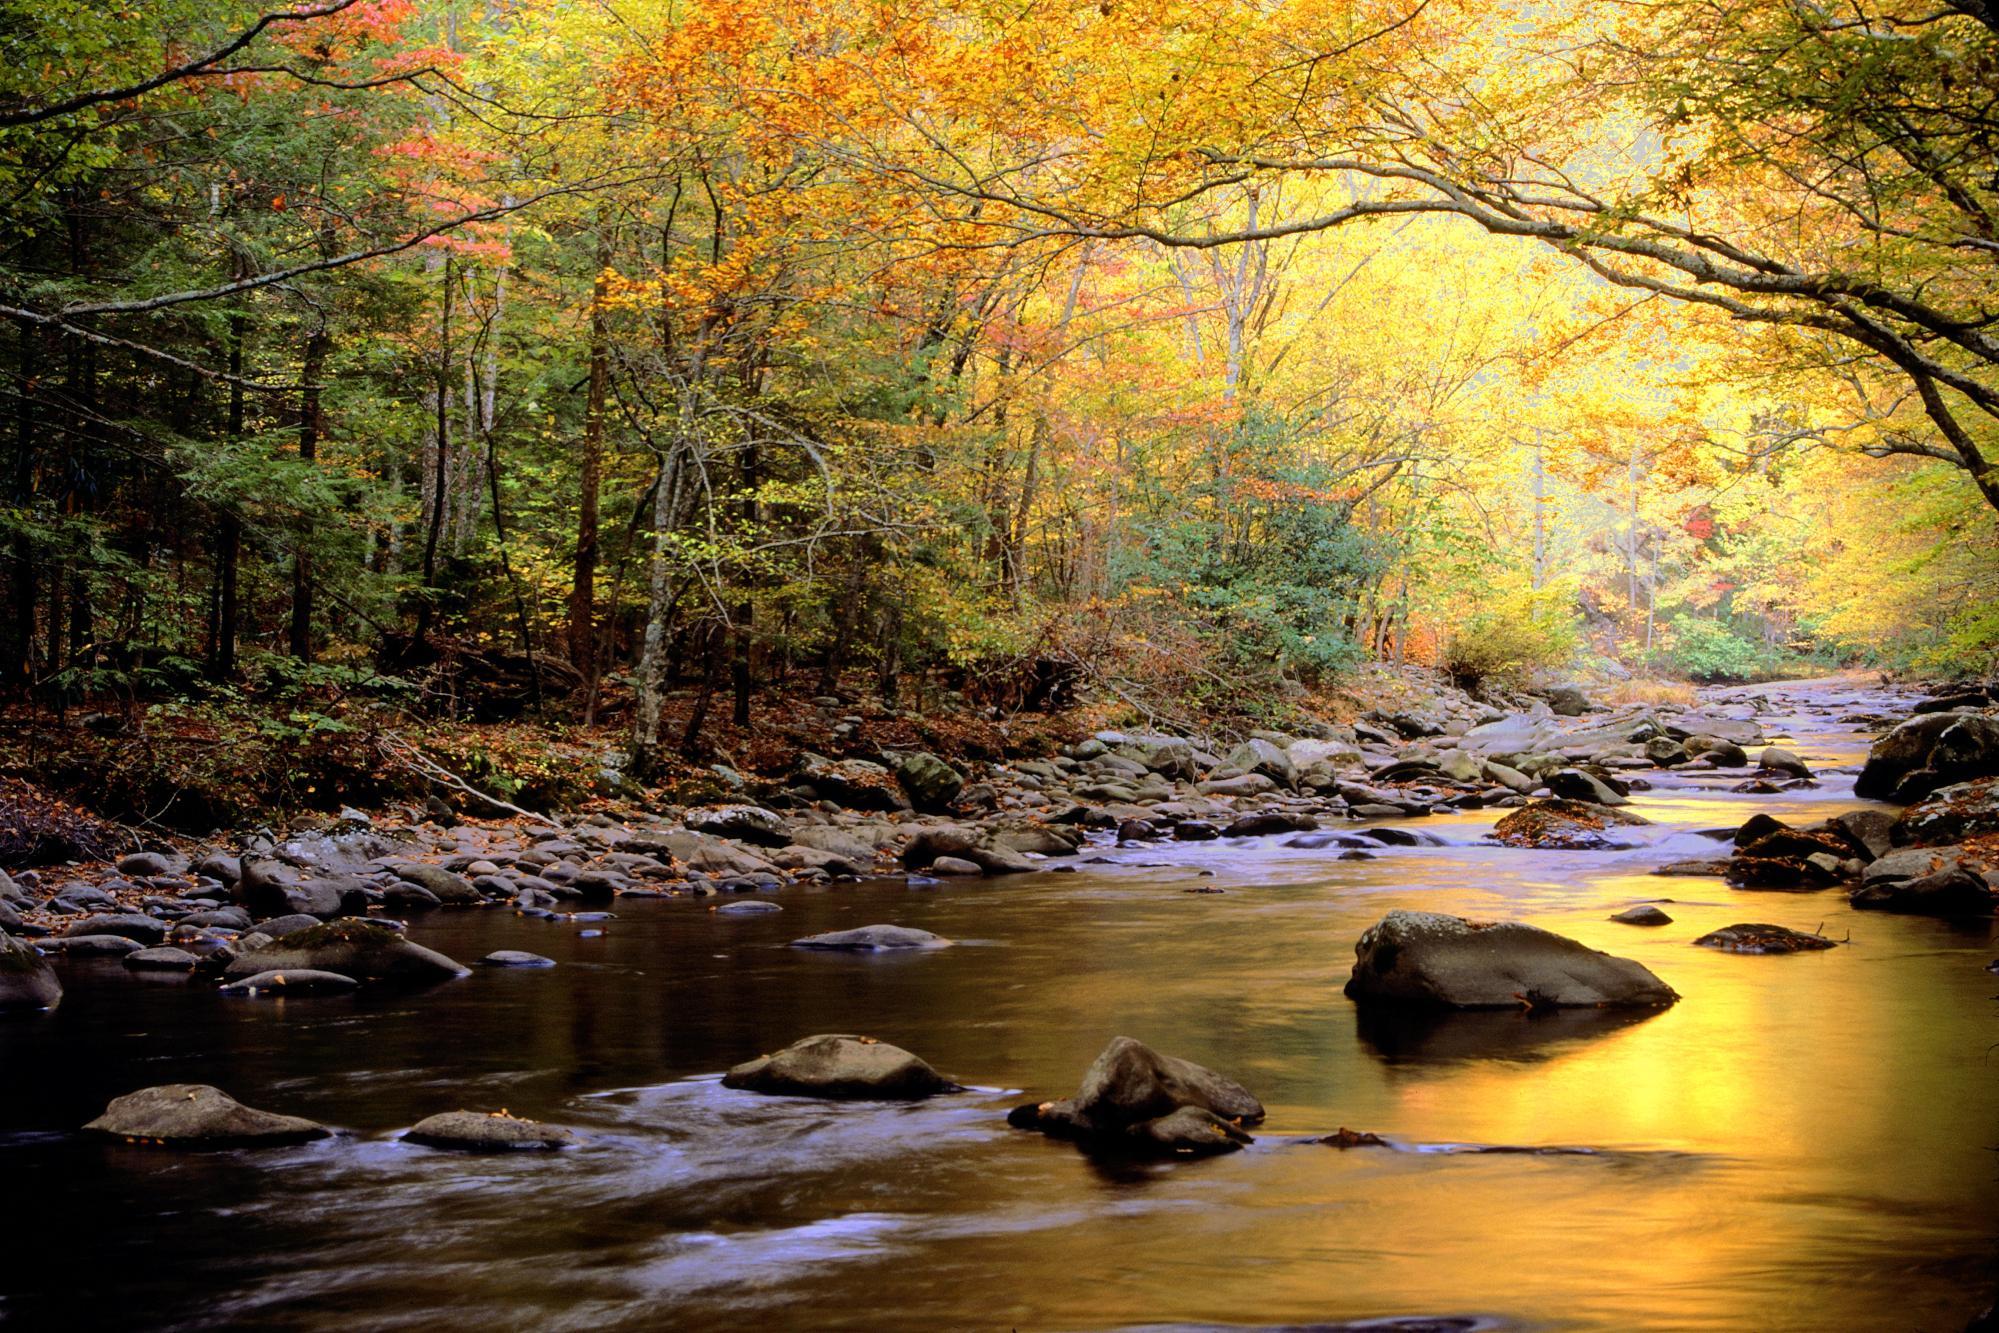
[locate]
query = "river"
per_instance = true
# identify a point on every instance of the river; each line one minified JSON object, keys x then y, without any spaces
{"x":1801,"y":1143}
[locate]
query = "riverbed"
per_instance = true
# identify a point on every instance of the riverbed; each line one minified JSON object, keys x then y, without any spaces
{"x":1802,"y":1142}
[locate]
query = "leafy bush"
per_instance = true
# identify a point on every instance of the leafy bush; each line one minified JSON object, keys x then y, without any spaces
{"x":1518,"y":634}
{"x":1713,"y":650}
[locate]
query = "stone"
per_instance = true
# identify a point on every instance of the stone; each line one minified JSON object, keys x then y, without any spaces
{"x":360,"y":949}
{"x":1759,"y":938}
{"x":1950,"y":893}
{"x":194,"y":1115}
{"x":1950,"y":815}
{"x":746,"y":823}
{"x":294,"y":981}
{"x":451,"y":888}
{"x":1561,"y":825}
{"x":856,"y":784}
{"x":955,"y":865}
{"x":757,"y":906}
{"x":145,"y":864}
{"x":1430,"y":960}
{"x":1719,"y":752}
{"x":1262,"y":757}
{"x":843,"y":1067}
{"x":1135,"y":1100}
{"x":838,"y":841}
{"x":515,"y":958}
{"x":1872,"y":830}
{"x":162,"y":958}
{"x":929,"y":782}
{"x":1777,"y":759}
{"x":97,"y":946}
{"x":1644,"y":914}
{"x":133,"y":926}
{"x":488,"y":1131}
{"x":1572,"y":784}
{"x":870,"y":939}
{"x":1268,"y":823}
{"x":27,"y":983}
{"x":1927,"y":752}
{"x":1567,"y":701}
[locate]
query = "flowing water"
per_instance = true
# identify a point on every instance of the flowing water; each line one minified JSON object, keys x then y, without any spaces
{"x":1802,"y":1143}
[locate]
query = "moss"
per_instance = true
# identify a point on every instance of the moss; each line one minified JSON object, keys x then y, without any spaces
{"x":348,"y":930}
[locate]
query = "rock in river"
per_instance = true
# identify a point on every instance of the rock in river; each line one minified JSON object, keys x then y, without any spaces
{"x":27,"y":982}
{"x":1561,"y":825}
{"x":871,"y":938}
{"x":1645,"y":914}
{"x":515,"y":958}
{"x":1755,"y":937}
{"x":359,"y":949}
{"x":1950,"y":892}
{"x":298,"y":981}
{"x":161,"y":958}
{"x":1133,"y":1099}
{"x":1427,"y":959}
{"x":194,"y":1115}
{"x":837,"y":1065}
{"x":481,"y":1131}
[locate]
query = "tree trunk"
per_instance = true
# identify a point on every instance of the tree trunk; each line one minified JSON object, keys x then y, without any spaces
{"x":23,"y":587}
{"x":229,"y":532}
{"x":441,"y":481}
{"x":583,"y":588}
{"x":309,"y":428}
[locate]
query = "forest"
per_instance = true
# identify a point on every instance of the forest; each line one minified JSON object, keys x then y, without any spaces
{"x":634,"y":367}
{"x":635,"y":628}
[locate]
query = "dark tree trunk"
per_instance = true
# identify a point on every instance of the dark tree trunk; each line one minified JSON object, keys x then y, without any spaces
{"x":434,"y":522}
{"x":23,"y":585}
{"x":309,"y":429}
{"x":229,"y":531}
{"x":714,"y":640}
{"x":583,"y":589}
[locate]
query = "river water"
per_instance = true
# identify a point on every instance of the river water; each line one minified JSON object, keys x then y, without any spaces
{"x":1802,"y":1143}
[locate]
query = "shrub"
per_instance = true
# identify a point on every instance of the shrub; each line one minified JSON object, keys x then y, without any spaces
{"x":1713,"y":650}
{"x":1518,"y":634}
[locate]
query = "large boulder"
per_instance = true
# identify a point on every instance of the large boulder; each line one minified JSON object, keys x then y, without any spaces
{"x":1170,"y":755}
{"x":1261,"y":756}
{"x":1949,"y":815}
{"x":451,"y":888}
{"x":1516,"y":733}
{"x":487,"y":1131}
{"x":746,"y":823}
{"x":1573,"y":784}
{"x":697,"y":851}
{"x":350,"y":948}
{"x":870,"y":939}
{"x":856,"y":784}
{"x":27,"y":982}
{"x":842,"y":1067}
{"x":272,"y":888}
{"x":1951,"y":892}
{"x":1927,"y":752}
{"x":930,"y":783}
{"x":1427,"y":959}
{"x":194,"y":1115}
{"x":1134,"y":1100}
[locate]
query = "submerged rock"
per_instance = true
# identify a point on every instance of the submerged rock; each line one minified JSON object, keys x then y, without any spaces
{"x":1756,"y":937}
{"x":1428,"y":959}
{"x":194,"y":1115}
{"x":1645,"y":914}
{"x":359,"y":949}
{"x":843,"y":1067}
{"x":27,"y":982}
{"x":1134,"y":1100}
{"x":483,"y":1131}
{"x":161,"y":958}
{"x":871,"y":938}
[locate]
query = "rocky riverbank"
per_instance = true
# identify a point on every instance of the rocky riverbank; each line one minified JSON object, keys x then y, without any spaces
{"x":1563,"y":766}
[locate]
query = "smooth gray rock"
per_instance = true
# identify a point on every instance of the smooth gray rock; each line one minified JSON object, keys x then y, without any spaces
{"x":480,"y":1131}
{"x":746,"y":823}
{"x":162,"y":958}
{"x":515,"y":958}
{"x":1430,"y":960}
{"x":1948,"y":893}
{"x":1645,"y":914}
{"x":133,"y":926}
{"x":194,"y":1115}
{"x":869,"y":939}
{"x":1134,"y":1100}
{"x":842,"y":1067}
